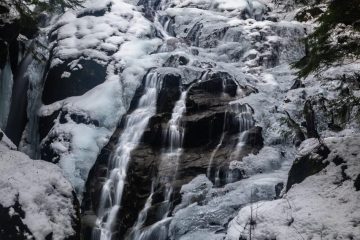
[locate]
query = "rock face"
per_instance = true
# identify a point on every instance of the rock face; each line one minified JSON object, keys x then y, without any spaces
{"x":308,"y":164}
{"x":208,"y":116}
{"x":216,"y":128}
{"x":15,"y":28}
{"x":216,"y":139}
{"x":72,"y":81}
{"x":36,"y":201}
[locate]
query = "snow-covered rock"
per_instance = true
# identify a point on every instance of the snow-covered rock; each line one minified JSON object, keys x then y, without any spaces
{"x":323,"y":206}
{"x":100,"y":54}
{"x":36,"y":201}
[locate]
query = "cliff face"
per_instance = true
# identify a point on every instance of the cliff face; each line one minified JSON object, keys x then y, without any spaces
{"x":185,"y":119}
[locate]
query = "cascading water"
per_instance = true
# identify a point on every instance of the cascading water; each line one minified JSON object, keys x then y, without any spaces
{"x":135,"y":124}
{"x":208,"y":172}
{"x":245,"y":121}
{"x":173,"y":136}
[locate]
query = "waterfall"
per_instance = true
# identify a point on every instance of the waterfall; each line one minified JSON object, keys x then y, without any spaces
{"x":135,"y":124}
{"x":136,"y":232}
{"x":208,"y":171}
{"x":173,"y":136}
{"x":245,"y":123}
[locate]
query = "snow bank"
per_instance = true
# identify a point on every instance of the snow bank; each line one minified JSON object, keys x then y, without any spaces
{"x":44,"y":195}
{"x":323,"y":206}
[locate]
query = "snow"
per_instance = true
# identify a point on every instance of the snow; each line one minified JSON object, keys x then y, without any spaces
{"x":215,"y":35}
{"x":323,"y":206}
{"x":268,"y":159}
{"x":40,"y":188}
{"x":122,"y":40}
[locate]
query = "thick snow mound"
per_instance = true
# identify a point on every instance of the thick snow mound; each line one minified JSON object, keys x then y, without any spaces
{"x":36,"y":191}
{"x":116,"y":36}
{"x":323,"y":206}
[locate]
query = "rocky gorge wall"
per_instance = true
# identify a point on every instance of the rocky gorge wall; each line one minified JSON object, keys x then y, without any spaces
{"x":224,"y":87}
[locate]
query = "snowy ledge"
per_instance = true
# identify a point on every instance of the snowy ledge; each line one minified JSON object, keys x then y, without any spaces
{"x":35,"y":198}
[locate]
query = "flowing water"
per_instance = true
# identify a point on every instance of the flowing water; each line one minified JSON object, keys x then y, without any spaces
{"x":135,"y":124}
{"x":173,"y":137}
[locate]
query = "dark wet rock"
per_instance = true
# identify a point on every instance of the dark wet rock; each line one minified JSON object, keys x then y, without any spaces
{"x":208,"y":116}
{"x":4,"y":9}
{"x":278,"y":188}
{"x":308,"y":165}
{"x":193,"y":35}
{"x":82,"y":79}
{"x":169,"y":93}
{"x":299,"y":136}
{"x":11,"y":225}
{"x":254,"y":138}
{"x":46,"y":123}
{"x":83,"y":119}
{"x":176,"y":61}
{"x":203,"y":129}
{"x":47,"y":152}
{"x":297,"y":84}
{"x":309,"y":115}
{"x":153,"y":134}
{"x":215,"y":84}
{"x":338,"y":161}
{"x":3,"y":53}
{"x":142,"y":170}
{"x":357,"y":183}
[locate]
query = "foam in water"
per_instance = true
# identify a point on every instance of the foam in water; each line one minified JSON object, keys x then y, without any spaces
{"x":135,"y":125}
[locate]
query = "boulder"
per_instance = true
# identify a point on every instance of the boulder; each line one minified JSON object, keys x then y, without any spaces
{"x":308,"y":164}
{"x":36,"y":201}
{"x":65,"y":80}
